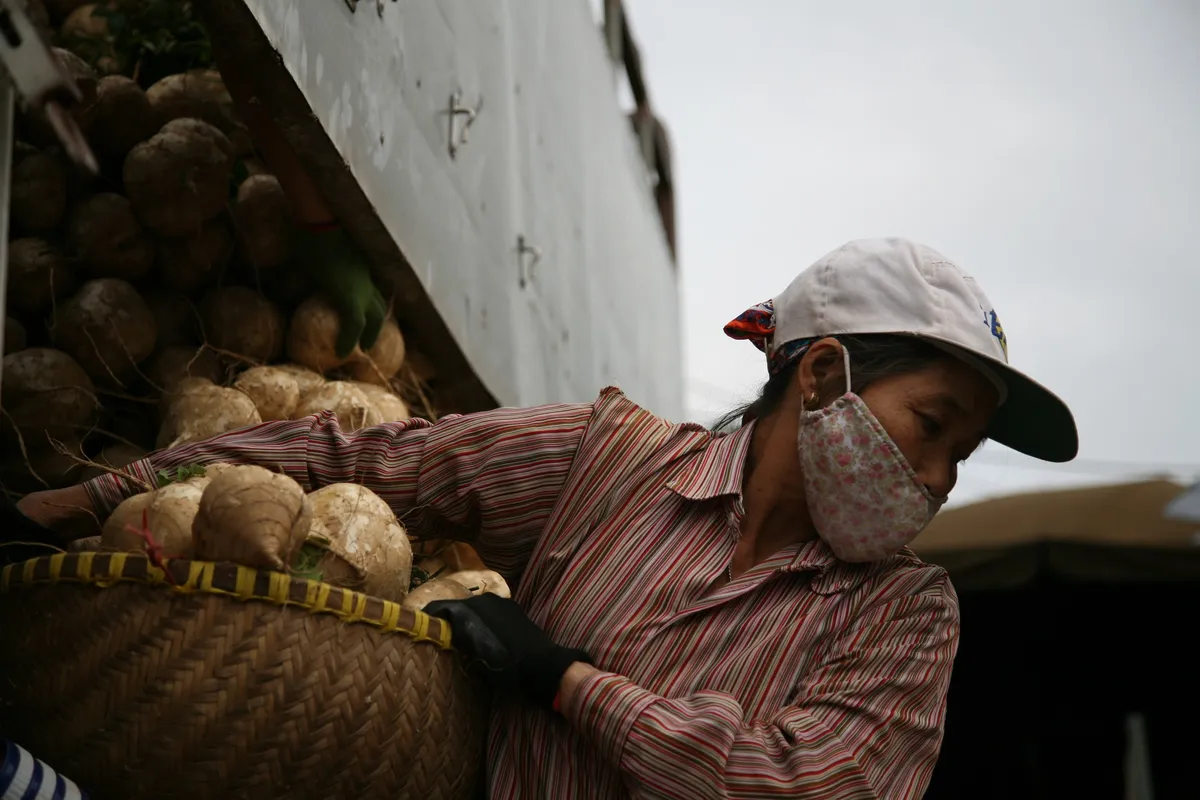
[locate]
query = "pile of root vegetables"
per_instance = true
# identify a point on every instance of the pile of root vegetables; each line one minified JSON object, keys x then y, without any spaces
{"x":158,"y":304}
{"x":342,"y":534}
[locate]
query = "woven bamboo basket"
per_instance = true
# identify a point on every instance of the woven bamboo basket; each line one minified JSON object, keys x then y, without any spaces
{"x":203,"y":680}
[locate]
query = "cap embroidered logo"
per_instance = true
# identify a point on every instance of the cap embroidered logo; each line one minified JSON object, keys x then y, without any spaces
{"x":998,"y":331}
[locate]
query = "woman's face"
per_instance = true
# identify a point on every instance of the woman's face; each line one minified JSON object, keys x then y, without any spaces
{"x":937,"y":416}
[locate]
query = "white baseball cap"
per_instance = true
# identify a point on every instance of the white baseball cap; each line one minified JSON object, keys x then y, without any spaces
{"x":899,"y":287}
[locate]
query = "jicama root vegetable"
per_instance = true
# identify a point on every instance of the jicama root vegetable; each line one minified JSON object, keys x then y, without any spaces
{"x":481,"y":581}
{"x":14,"y":336}
{"x":170,"y":512}
{"x":200,"y":94}
{"x":263,"y":220}
{"x":61,"y":9}
{"x":115,"y":456}
{"x":254,"y":166}
{"x":275,"y":392}
{"x":121,"y":117}
{"x":45,"y":466}
{"x":199,"y":410}
{"x":107,"y":328}
{"x":306,"y":379}
{"x":176,"y":321}
{"x":327,"y":567}
{"x":84,"y":76}
{"x":45,"y":393}
{"x":420,"y":365}
{"x":312,"y":337}
{"x":115,"y":533}
{"x":37,"y":126}
{"x":37,"y":274}
{"x":172,"y":365}
{"x":288,"y":287}
{"x":179,"y":178}
{"x":353,"y":522}
{"x":192,"y":262}
{"x":212,"y":471}
{"x":436,"y":589}
{"x":39,"y":191}
{"x":83,"y":23}
{"x":252,"y":516}
{"x":383,"y":360}
{"x":346,"y":401}
{"x":241,"y":321}
{"x":89,"y":544}
{"x":390,"y":407}
{"x":108,"y":238}
{"x":87,"y":31}
{"x":451,"y":557}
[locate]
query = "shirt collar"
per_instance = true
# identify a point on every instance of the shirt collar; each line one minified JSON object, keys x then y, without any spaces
{"x":716,"y":470}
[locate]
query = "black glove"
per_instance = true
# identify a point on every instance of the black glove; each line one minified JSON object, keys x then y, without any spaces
{"x":515,"y":654}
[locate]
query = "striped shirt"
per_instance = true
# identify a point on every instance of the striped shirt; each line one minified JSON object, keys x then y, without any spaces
{"x":806,"y":677}
{"x":23,"y":777}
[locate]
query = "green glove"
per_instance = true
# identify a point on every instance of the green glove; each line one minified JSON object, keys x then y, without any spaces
{"x":339,"y":268}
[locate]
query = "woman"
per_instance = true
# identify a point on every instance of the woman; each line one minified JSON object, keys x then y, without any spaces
{"x":696,"y":614}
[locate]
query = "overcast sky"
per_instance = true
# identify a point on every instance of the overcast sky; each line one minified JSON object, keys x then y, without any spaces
{"x":1052,"y":149}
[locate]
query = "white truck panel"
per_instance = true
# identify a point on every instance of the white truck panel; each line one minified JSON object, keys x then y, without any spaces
{"x":550,"y":159}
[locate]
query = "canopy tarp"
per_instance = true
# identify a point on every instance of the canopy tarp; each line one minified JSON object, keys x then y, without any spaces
{"x":1103,"y":533}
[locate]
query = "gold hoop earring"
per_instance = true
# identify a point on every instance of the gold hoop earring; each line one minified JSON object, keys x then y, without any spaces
{"x":812,"y":400}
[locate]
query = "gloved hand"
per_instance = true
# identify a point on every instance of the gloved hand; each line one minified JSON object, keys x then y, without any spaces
{"x":515,"y":654}
{"x":339,"y":268}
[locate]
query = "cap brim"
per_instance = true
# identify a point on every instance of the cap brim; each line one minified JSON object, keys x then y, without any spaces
{"x":1032,"y":420}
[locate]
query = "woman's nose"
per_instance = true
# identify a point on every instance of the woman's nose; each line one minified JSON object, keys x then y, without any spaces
{"x":940,"y":477}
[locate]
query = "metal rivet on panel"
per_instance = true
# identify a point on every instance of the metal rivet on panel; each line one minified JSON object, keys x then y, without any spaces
{"x":528,"y":256}
{"x":457,"y":134}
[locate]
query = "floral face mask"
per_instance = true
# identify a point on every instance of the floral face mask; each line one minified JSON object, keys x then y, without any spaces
{"x":865,"y":499}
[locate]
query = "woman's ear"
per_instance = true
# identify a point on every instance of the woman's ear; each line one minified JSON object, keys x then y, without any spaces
{"x":821,"y":374}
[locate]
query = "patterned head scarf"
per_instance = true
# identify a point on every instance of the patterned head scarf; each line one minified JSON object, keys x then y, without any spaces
{"x":757,"y":325}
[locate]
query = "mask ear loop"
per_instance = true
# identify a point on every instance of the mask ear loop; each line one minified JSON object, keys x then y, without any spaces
{"x":846,"y":363}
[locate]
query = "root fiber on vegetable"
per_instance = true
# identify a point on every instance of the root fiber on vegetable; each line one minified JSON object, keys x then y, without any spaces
{"x":383,"y":360}
{"x":171,"y":365}
{"x":115,"y":456}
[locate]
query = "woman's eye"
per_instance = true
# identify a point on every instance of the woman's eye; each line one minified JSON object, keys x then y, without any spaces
{"x":931,"y":425}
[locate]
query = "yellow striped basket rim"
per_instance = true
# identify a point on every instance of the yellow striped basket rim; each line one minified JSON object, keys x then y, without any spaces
{"x":104,"y":570}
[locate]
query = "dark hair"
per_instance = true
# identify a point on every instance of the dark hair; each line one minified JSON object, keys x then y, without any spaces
{"x":872,"y":356}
